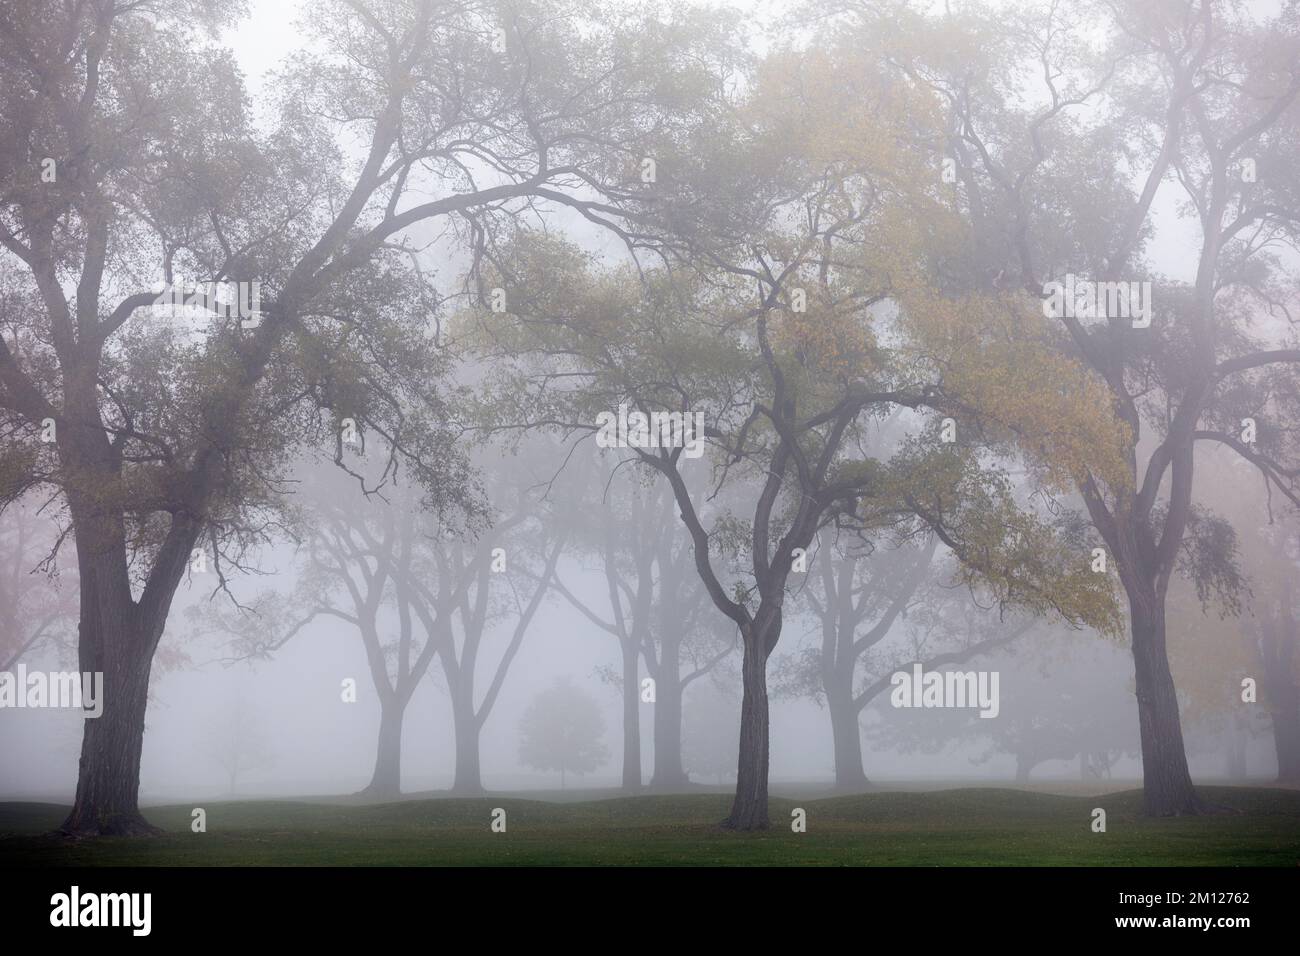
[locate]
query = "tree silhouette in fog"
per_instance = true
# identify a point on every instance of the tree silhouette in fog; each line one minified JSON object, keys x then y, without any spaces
{"x":563,"y":729}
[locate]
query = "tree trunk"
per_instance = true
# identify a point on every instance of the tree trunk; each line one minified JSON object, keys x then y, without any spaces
{"x":387,"y":778}
{"x":1286,"y":734}
{"x":468,"y":777}
{"x":1166,"y":783}
{"x":847,"y":737}
{"x":1236,"y":755}
{"x":668,"y":773}
{"x":631,"y":719}
{"x":1023,"y":766}
{"x":108,"y":779}
{"x":117,"y":637}
{"x":749,"y":809}
{"x":1278,"y":646}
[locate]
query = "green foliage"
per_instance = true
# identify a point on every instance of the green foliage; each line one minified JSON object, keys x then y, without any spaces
{"x":1006,"y":550}
{"x":1209,"y":560}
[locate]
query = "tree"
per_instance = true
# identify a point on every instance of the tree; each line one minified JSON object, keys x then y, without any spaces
{"x":170,"y":434}
{"x":843,"y":597}
{"x":38,"y":600}
{"x":356,"y":556}
{"x":1277,"y":626}
{"x":367,"y":559}
{"x":882,"y":608}
{"x":689,"y":641}
{"x":237,"y":741}
{"x":502,"y":574}
{"x":562,"y":730}
{"x":1270,"y":628}
{"x":360,"y":556}
{"x":792,"y":342}
{"x":1219,"y":641}
{"x":1043,"y":180}
{"x":658,"y":610}
{"x":624,"y":545}
{"x":1063,"y":697}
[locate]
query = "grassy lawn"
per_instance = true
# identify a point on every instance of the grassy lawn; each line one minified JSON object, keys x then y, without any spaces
{"x":972,"y":827}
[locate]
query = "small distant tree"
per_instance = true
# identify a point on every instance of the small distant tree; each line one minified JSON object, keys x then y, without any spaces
{"x":237,"y":741}
{"x":563,"y":729}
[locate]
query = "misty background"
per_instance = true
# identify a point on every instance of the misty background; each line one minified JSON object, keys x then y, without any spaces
{"x":284,"y":716}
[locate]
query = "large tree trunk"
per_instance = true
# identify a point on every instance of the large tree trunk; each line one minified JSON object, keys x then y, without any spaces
{"x":631,"y":719}
{"x":469,"y":778}
{"x":465,"y":719}
{"x":386,"y":781}
{"x":1166,"y":783}
{"x":117,"y":637}
{"x":668,"y":773}
{"x":108,"y":778}
{"x":749,"y":809}
{"x":847,"y":737}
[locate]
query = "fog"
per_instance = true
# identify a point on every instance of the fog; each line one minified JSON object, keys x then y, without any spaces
{"x":429,"y":570}
{"x":307,"y":742}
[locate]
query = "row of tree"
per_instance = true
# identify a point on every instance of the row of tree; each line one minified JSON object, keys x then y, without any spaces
{"x":837,"y":253}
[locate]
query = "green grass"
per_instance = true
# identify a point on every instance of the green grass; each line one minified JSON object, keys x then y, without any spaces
{"x":973,"y":827}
